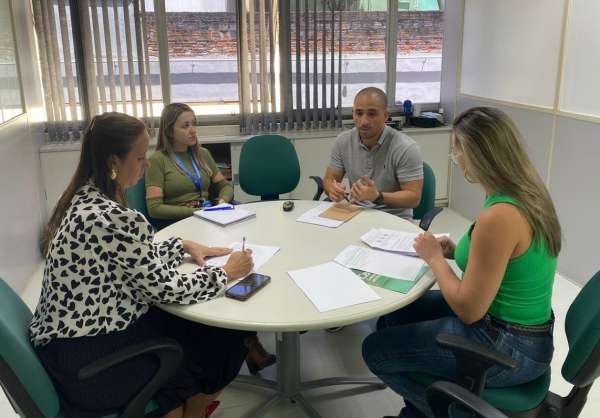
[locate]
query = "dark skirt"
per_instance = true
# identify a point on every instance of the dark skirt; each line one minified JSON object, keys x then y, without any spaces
{"x":212,"y":359}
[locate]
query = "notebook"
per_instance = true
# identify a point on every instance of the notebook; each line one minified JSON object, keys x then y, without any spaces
{"x":341,"y":212}
{"x":225,"y":217}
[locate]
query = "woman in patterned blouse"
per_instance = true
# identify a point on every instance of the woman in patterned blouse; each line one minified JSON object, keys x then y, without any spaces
{"x":103,"y":276}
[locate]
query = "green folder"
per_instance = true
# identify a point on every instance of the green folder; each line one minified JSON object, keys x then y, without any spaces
{"x":390,"y":283}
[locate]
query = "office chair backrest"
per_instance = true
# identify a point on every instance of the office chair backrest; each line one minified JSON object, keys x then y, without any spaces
{"x":428,"y":194}
{"x":136,"y":197}
{"x":582,"y":326}
{"x":23,"y":376}
{"x":268,"y":166}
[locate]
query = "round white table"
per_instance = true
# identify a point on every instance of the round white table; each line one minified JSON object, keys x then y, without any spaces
{"x":281,"y":306}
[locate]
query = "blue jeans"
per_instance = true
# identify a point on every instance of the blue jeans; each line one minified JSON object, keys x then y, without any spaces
{"x":405,"y":342}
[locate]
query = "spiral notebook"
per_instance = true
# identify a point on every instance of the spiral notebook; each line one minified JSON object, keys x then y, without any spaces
{"x":225,"y":217}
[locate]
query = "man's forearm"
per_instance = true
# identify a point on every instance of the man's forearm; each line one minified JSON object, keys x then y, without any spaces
{"x":401,"y":199}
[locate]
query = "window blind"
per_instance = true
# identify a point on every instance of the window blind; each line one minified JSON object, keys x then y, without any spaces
{"x":94,"y":57}
{"x":301,"y":29}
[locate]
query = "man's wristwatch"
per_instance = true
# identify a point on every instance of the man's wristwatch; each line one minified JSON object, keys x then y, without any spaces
{"x":379,"y":199}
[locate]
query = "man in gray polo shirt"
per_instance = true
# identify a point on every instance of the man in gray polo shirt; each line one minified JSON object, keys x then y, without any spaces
{"x":383,"y":165}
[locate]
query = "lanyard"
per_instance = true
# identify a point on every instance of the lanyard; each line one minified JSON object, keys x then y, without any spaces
{"x":196,"y":178}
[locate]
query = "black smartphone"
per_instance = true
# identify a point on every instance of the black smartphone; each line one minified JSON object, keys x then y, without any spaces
{"x":247,"y":286}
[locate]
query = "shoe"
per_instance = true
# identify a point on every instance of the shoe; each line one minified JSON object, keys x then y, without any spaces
{"x":258,"y":358}
{"x":211,"y":408}
{"x":334,"y":329}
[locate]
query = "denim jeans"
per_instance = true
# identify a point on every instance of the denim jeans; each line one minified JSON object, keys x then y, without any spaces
{"x":405,"y":342}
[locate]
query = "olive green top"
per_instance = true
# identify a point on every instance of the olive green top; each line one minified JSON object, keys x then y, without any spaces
{"x":525,"y":293}
{"x":178,"y":188}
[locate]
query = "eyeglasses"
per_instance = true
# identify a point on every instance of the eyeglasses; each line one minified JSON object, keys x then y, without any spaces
{"x":453,"y":157}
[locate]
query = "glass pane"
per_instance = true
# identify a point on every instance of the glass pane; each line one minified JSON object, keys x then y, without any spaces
{"x":202,"y":36}
{"x":363,"y":47}
{"x":11,"y":103}
{"x":419,"y":56}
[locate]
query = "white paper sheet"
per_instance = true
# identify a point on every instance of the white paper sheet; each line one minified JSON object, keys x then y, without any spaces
{"x":392,"y":240}
{"x":260,"y":254}
{"x":224,"y":217}
{"x":380,"y":262}
{"x":312,"y":216}
{"x":330,"y":286}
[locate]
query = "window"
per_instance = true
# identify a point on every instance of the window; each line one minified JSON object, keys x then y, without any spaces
{"x":202,"y":38}
{"x":11,"y":103}
{"x":267,"y":64}
{"x":419,"y":51}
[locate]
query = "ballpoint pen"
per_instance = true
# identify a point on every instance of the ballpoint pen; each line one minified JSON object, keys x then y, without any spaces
{"x":218,"y":208}
{"x":243,"y":244}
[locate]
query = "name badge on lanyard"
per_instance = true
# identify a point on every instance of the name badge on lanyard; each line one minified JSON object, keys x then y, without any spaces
{"x":195,"y":177}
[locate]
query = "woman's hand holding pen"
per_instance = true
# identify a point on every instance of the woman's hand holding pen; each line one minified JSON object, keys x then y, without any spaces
{"x":199,"y":252}
{"x":239,"y":264}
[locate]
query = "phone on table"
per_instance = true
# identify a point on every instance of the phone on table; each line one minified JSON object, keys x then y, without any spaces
{"x":247,"y":286}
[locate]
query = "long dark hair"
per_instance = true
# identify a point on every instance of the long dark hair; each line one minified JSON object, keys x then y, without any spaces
{"x":109,"y":134}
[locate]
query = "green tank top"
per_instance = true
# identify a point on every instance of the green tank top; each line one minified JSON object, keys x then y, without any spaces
{"x":525,"y":293}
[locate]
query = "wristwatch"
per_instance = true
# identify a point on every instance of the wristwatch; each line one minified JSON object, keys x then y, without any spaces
{"x":379,"y":199}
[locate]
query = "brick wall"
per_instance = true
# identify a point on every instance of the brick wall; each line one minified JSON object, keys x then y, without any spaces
{"x":204,"y":34}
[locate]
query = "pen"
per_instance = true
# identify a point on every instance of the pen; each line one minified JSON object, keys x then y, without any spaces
{"x":221,"y":208}
{"x":243,"y":244}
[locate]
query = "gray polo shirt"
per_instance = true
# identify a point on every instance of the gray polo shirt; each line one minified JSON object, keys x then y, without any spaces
{"x":395,"y":159}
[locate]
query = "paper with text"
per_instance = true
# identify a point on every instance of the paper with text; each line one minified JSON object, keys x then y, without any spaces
{"x":380,"y":262}
{"x":392,"y":240}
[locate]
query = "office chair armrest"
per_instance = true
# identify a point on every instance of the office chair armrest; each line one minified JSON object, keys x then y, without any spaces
{"x":440,"y":395}
{"x":428,"y":218}
{"x":169,"y":354}
{"x":320,"y":187}
{"x":473,"y":360}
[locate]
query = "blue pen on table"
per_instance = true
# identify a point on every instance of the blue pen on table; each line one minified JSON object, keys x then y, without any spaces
{"x":216,"y":208}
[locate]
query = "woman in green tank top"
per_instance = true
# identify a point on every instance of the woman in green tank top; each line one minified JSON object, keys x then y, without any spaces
{"x":508,"y":258}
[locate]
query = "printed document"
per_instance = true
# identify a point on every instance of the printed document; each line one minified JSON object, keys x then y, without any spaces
{"x":330,"y":286}
{"x":392,"y":240}
{"x":380,"y":262}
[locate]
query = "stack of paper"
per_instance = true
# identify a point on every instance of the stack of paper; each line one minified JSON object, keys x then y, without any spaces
{"x":224,"y":216}
{"x":312,"y":216}
{"x":391,"y":240}
{"x":382,"y":263}
{"x":329,"y":214}
{"x":260,"y":254}
{"x":330,"y":286}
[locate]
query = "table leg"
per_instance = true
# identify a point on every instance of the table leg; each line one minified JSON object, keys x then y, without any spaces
{"x":289,"y":384}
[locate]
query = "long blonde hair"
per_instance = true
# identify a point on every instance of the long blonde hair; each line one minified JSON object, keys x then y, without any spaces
{"x":168,"y":117}
{"x":495,"y":157}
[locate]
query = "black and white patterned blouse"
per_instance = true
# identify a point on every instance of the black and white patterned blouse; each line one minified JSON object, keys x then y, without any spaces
{"x":103,"y":270}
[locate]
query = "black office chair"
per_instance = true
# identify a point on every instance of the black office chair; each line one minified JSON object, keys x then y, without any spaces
{"x":29,"y":388}
{"x":446,"y":397}
{"x":533,"y":399}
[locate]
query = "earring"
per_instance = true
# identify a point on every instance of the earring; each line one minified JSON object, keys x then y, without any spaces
{"x":113,"y":173}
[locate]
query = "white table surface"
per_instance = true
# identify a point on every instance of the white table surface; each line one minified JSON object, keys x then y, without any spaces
{"x":281,"y":306}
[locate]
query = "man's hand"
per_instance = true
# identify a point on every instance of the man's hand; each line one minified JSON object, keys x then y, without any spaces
{"x":337,"y":192}
{"x":364,"y":189}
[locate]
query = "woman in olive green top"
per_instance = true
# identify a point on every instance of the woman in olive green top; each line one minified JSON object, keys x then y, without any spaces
{"x":181,"y":171}
{"x":177,"y":184}
{"x":508,"y":258}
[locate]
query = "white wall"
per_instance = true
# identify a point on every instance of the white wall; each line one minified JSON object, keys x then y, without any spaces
{"x":313,"y":148}
{"x":553,"y":101}
{"x":20,"y":139}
